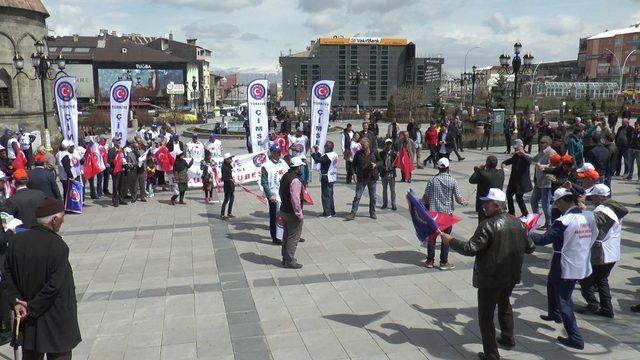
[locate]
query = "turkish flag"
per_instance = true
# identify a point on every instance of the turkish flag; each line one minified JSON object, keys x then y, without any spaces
{"x":404,"y":163}
{"x":443,"y":220}
{"x":307,"y":197}
{"x":532,"y":222}
{"x":117,"y":167}
{"x":20,"y":162}
{"x":91,"y":167}
{"x":164,"y":159}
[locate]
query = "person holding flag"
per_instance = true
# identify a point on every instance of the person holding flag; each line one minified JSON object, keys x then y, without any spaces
{"x":116,"y":160}
{"x":272,"y":171}
{"x":328,"y":176}
{"x":498,"y":244}
{"x":439,"y":194}
{"x":64,"y":164}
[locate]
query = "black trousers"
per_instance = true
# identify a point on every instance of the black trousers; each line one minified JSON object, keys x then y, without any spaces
{"x":598,"y":281}
{"x":228,"y":198}
{"x":326,"y":192}
{"x":119,"y":187}
{"x":507,"y":139}
{"x":349,"y":165}
{"x":64,"y":189}
{"x":519,"y":199}
{"x":486,"y":138}
{"x":488,"y":298}
{"x":106,"y":174}
{"x":34,"y":355}
{"x":273,"y":220}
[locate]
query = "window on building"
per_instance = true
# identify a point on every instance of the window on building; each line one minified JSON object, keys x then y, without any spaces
{"x":5,"y":89}
{"x":81,"y":50}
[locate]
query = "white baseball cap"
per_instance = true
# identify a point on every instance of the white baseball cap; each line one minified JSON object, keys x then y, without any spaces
{"x":296,"y":161}
{"x":598,"y":189}
{"x":388,"y":141}
{"x":443,"y":163}
{"x":586,"y":167}
{"x":495,"y":194}
{"x":227,"y":155}
{"x":66,"y":143}
{"x":560,"y":193}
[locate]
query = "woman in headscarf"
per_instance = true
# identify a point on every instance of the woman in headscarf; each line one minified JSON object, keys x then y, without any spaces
{"x":180,"y":168}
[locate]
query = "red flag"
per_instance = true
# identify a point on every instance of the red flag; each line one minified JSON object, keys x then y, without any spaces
{"x":20,"y":162}
{"x":443,"y":220}
{"x":91,"y":167}
{"x":259,"y":197}
{"x":117,"y":167}
{"x":306,"y":197}
{"x":164,"y":159}
{"x":404,"y":163}
{"x":533,"y":222}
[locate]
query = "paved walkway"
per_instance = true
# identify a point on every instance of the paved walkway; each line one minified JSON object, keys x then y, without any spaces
{"x":162,"y":282}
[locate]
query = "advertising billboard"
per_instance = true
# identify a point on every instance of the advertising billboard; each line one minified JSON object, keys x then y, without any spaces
{"x":146,"y":83}
{"x":84,"y":79}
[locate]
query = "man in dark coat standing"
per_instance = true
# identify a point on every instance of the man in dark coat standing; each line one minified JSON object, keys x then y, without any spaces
{"x":43,"y":179}
{"x":22,"y":205}
{"x":486,"y":176}
{"x":39,"y":284}
{"x":520,"y":178}
{"x":499,"y":245}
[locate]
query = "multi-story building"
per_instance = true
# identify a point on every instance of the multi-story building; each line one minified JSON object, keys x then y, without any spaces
{"x":388,"y":63}
{"x":611,"y":55}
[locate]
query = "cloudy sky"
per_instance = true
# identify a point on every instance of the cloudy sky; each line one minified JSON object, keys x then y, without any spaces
{"x":249,"y":35}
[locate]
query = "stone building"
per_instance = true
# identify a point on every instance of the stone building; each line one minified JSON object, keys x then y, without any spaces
{"x":22,"y":24}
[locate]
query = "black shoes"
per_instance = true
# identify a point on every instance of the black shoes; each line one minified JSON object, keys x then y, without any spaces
{"x":635,"y":308}
{"x":549,"y":318}
{"x":383,"y":207}
{"x":568,"y":343}
{"x":302,"y":240}
{"x":504,"y":342}
{"x":373,"y":216}
{"x":293,"y":265}
{"x":587,"y":310}
{"x":277,"y":242}
{"x":350,"y":216}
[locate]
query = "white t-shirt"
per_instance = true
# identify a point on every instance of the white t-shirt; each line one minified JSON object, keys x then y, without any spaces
{"x":298,"y":144}
{"x":11,"y":153}
{"x":214,"y":147}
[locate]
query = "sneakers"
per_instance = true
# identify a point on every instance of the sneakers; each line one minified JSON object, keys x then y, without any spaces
{"x":350,"y":216}
{"x":446,"y":266}
{"x":429,"y":264}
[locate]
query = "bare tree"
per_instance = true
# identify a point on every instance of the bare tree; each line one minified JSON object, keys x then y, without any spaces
{"x":408,"y":98}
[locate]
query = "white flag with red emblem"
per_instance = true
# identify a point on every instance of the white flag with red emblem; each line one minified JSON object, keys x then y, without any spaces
{"x":320,"y":111}
{"x":258,"y":116}
{"x":67,"y":107}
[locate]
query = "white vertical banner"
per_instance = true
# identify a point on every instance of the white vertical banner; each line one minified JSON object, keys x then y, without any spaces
{"x":119,"y":108}
{"x":320,"y":112}
{"x":67,"y":106}
{"x":258,"y":116}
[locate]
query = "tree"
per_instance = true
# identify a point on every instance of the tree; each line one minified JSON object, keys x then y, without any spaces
{"x":409,"y":97}
{"x":437,"y":103}
{"x":391,"y":107}
{"x":603,"y":106}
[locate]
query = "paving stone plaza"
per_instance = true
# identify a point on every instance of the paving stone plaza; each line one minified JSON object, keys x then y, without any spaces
{"x":156,"y":281}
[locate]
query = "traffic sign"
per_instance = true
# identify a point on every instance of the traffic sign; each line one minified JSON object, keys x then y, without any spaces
{"x":175,"y":89}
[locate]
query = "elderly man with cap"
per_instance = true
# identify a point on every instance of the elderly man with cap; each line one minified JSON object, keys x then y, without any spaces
{"x":151,"y":134}
{"x":388,"y":174}
{"x":439,"y":194}
{"x":117,"y":162}
{"x":65,"y":165}
{"x":214,"y":146}
{"x":229,"y":185}
{"x":42,"y":179}
{"x":175,"y":144}
{"x":605,"y":251}
{"x":572,"y":235}
{"x":328,"y":176}
{"x":498,"y":244}
{"x":291,"y":210}
{"x":273,"y":170}
{"x":22,"y":205}
{"x":39,"y":283}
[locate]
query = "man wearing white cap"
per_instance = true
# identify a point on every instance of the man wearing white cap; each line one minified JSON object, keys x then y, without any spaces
{"x":572,"y":236}
{"x":605,"y":251}
{"x":499,"y":244}
{"x":439,"y":195}
{"x":64,"y":157}
{"x":291,"y":211}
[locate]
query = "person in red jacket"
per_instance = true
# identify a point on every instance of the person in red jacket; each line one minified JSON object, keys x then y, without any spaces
{"x":431,"y":138}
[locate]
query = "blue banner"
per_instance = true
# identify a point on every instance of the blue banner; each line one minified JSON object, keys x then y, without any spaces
{"x":426,"y":228}
{"x":75,"y":193}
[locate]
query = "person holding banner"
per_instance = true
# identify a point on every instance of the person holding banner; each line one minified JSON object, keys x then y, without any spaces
{"x":229,"y":186}
{"x":140,"y":171}
{"x":272,"y":171}
{"x":117,"y":162}
{"x":498,"y":245}
{"x":328,"y":176}
{"x":64,"y":165}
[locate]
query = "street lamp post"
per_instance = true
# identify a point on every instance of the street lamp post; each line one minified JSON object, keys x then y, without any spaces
{"x":624,"y":64}
{"x":356,"y":78}
{"x":294,"y":84}
{"x":517,"y":67}
{"x":464,"y":91}
{"x":41,"y":64}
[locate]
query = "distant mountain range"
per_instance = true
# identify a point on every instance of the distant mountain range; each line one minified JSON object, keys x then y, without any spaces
{"x":245,"y":77}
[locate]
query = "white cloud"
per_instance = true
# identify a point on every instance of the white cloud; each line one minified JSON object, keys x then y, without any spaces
{"x":324,"y":22}
{"x":210,"y":5}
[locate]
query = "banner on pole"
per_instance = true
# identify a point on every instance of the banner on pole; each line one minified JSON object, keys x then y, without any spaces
{"x":258,"y":116}
{"x":248,"y":167}
{"x":119,"y":108}
{"x":320,"y":111}
{"x":67,"y":106}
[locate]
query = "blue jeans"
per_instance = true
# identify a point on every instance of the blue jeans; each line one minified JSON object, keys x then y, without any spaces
{"x":444,"y":250}
{"x":371,"y":186}
{"x":634,"y":156}
{"x":561,"y":307}
{"x":326,"y":192}
{"x":544,"y":195}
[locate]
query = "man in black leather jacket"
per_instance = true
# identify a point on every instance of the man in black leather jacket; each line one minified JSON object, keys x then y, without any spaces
{"x":499,"y":244}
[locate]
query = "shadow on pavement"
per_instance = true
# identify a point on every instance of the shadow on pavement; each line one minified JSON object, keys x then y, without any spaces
{"x":248,"y":237}
{"x":402,"y":257}
{"x":357,"y":320}
{"x":249,"y":226}
{"x":259,"y":259}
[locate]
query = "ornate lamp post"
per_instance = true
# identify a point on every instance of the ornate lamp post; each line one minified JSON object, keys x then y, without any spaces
{"x":293,"y":83}
{"x":517,"y":68}
{"x":355,"y":79}
{"x":42,"y":66}
{"x":194,"y":95}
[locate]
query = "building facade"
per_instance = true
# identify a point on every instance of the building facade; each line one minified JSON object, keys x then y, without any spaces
{"x":22,"y":24}
{"x":612,"y":55}
{"x":388,"y":63}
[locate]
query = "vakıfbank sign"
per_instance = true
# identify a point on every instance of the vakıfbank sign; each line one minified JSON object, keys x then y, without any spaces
{"x":363,"y":41}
